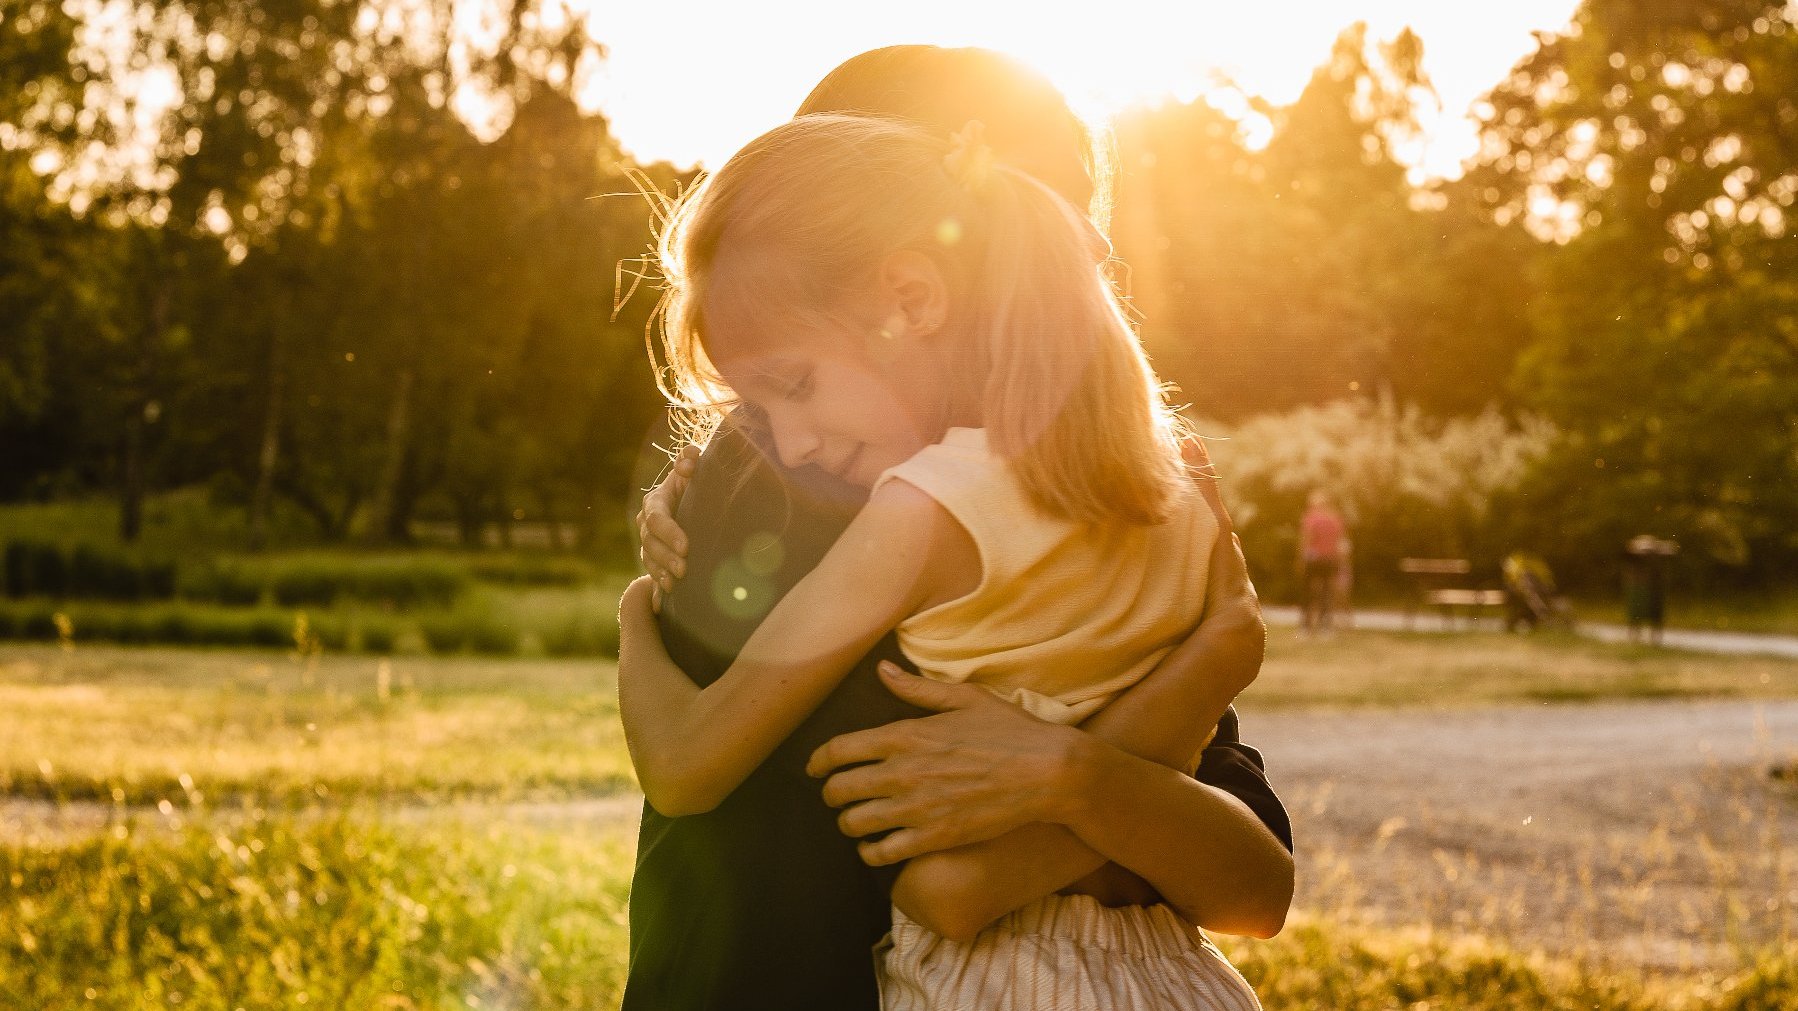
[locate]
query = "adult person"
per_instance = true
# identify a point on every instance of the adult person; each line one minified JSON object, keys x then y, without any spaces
{"x":1323,"y":537}
{"x":764,"y":901}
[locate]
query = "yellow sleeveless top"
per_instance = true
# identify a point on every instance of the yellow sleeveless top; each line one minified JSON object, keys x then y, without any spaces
{"x":1067,"y":615}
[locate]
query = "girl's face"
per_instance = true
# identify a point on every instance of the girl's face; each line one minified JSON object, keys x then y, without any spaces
{"x":829,"y":403}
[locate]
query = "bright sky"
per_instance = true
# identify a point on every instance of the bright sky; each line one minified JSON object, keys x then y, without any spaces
{"x":693,"y":82}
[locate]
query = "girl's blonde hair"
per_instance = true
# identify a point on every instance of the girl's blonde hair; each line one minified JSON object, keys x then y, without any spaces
{"x":802,"y":218}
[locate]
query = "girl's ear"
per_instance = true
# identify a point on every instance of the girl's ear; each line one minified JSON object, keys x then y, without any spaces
{"x":917,"y":294}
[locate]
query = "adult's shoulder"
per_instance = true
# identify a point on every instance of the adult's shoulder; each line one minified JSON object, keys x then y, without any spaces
{"x":752,"y":534}
{"x":739,"y":486}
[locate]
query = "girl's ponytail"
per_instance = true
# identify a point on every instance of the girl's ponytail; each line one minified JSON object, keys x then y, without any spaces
{"x":1070,"y":398}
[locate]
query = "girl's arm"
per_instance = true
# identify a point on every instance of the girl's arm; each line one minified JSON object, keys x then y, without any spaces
{"x":1164,"y":718}
{"x":1195,"y":684}
{"x":692,"y":746}
{"x":1081,"y":802}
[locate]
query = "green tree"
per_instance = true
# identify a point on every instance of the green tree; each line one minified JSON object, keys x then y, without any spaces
{"x":1312,"y":269}
{"x":188,"y":142}
{"x":357,"y":263}
{"x":1658,"y":145}
{"x":46,"y":287}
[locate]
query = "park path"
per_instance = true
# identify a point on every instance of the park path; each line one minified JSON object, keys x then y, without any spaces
{"x":1654,"y":830}
{"x":1724,"y":643}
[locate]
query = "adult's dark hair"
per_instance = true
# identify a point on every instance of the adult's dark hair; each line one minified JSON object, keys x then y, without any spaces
{"x":1028,"y":121}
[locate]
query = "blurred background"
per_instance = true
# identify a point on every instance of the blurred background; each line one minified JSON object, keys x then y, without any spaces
{"x":322,"y":273}
{"x":322,"y":329}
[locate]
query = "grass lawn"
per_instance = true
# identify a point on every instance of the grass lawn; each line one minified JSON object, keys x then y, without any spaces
{"x":1771,"y":612}
{"x":1432,"y":669}
{"x":191,"y":583}
{"x":349,"y":913}
{"x":336,"y":912}
{"x":294,"y":868}
{"x":99,"y":721}
{"x":143,"y":725}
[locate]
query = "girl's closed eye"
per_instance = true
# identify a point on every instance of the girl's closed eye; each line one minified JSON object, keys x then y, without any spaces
{"x":798,"y":388}
{"x":789,"y":382}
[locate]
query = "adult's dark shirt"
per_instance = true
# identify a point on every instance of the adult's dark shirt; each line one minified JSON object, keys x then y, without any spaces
{"x":762,"y":902}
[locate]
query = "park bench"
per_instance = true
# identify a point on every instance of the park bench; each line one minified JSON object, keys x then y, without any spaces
{"x":1436,"y":579}
{"x":1472,"y":602}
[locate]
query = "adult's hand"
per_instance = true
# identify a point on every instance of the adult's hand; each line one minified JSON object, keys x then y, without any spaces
{"x":1204,"y":474}
{"x":975,"y":771}
{"x":662,"y":543}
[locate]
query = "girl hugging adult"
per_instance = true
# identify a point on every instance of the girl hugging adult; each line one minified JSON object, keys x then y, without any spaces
{"x":906,"y":474}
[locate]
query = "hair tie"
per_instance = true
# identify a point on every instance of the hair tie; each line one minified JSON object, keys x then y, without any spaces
{"x":970,"y":160}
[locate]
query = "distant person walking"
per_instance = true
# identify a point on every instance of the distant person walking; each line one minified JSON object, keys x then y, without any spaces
{"x":1323,"y":538}
{"x":1645,"y":585}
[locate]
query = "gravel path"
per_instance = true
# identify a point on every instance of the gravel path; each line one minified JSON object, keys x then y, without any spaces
{"x":1654,"y":831}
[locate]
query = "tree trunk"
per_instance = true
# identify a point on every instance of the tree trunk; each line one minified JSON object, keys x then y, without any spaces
{"x":131,"y":483}
{"x":270,"y":453}
{"x":328,"y":522}
{"x":552,"y":521}
{"x":342,"y":526}
{"x":470,"y":519}
{"x":399,"y":515}
{"x":392,"y":505}
{"x":141,"y":412}
{"x":393,"y":467}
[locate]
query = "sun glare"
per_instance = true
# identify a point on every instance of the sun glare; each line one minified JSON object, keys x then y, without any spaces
{"x":1149,"y":49}
{"x":694,"y":89}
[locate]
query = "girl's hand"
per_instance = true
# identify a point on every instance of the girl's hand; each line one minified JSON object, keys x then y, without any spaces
{"x":663,"y":545}
{"x":636,"y":607}
{"x":974,"y":772}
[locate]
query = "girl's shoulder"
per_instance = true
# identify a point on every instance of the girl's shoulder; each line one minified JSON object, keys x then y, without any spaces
{"x":897,"y":501}
{"x":924,"y":532}
{"x":918,"y":518}
{"x":960,"y":466}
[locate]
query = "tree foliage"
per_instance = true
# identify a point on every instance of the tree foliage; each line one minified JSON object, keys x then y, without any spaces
{"x":1310,"y":268}
{"x":1409,"y":484}
{"x":363,"y":260}
{"x":1659,"y":144}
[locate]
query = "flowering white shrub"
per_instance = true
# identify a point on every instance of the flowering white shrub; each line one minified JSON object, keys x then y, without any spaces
{"x":1408,"y":484}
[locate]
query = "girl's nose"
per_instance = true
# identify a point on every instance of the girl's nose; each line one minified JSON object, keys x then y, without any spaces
{"x":794,"y":441}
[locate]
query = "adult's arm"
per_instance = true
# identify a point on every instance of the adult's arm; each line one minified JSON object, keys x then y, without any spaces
{"x":1202,"y":850}
{"x":984,"y":840}
{"x":1228,"y":764}
{"x":977,"y":855}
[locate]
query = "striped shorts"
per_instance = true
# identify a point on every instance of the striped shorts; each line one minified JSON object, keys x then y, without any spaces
{"x":1061,"y":953}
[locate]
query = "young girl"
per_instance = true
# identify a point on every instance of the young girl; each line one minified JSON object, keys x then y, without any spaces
{"x":909,"y":316}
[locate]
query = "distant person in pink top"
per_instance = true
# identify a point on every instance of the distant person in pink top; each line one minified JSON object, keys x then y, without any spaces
{"x":1322,"y":538}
